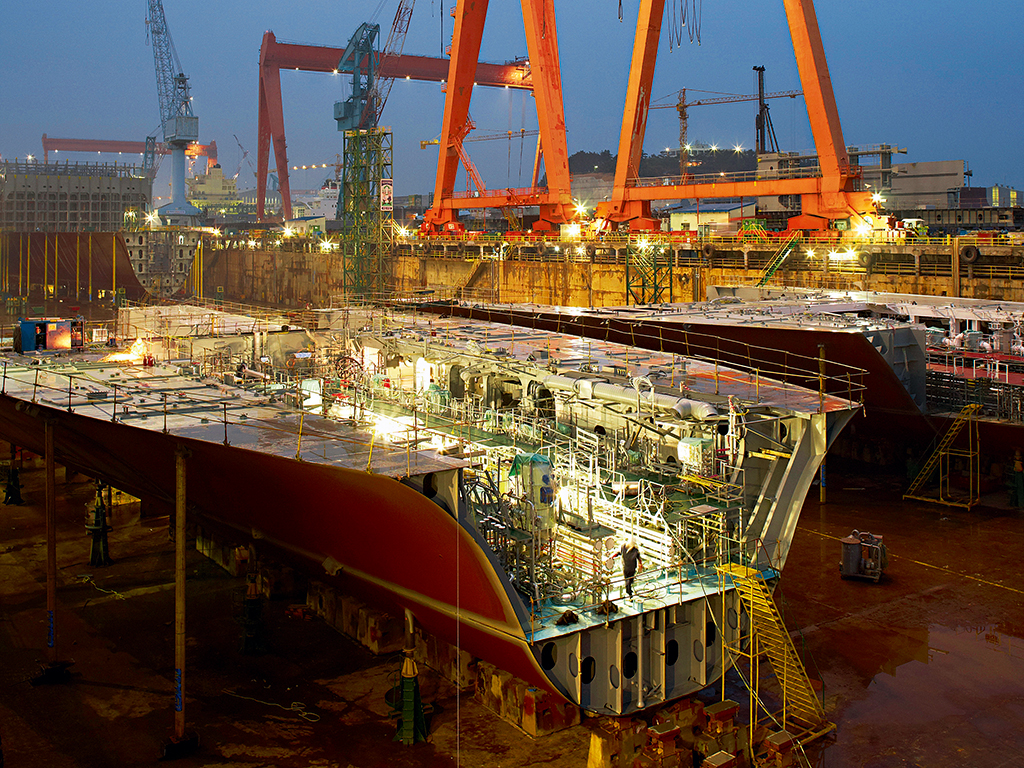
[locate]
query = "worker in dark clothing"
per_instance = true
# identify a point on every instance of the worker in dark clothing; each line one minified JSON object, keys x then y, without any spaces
{"x":631,"y":563}
{"x":12,"y":491}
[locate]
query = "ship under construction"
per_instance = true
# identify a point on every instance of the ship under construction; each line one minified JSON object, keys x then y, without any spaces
{"x":544,"y":444}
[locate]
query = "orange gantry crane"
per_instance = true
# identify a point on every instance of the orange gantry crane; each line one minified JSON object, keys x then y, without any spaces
{"x":275,"y":56}
{"x":828,"y":192}
{"x":554,"y":201}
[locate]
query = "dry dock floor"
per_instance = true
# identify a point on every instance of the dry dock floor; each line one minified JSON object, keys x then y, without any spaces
{"x":925,"y":668}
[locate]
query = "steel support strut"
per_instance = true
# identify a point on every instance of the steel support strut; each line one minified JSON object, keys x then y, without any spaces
{"x":271,"y":126}
{"x":542,"y":45}
{"x":634,"y":118}
{"x":555,"y":202}
{"x":53,"y":671}
{"x":470,"y":16}
{"x":183,"y":742}
{"x":275,"y":56}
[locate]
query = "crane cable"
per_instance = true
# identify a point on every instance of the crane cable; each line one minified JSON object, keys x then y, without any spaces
{"x":685,"y":16}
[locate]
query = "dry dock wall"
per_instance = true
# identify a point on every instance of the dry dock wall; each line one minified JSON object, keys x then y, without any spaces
{"x":295,"y":278}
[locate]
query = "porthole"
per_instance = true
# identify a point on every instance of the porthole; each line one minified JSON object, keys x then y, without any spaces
{"x":629,"y":665}
{"x":573,"y":665}
{"x":698,"y":650}
{"x":589,"y":670}
{"x":671,"y":652}
{"x":548,"y":656}
{"x":613,"y":676}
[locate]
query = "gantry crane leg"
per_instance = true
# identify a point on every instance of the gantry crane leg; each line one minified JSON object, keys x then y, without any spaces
{"x":542,"y":45}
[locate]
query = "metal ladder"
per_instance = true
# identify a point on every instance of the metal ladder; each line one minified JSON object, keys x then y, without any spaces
{"x":965,"y":416}
{"x":802,"y":711}
{"x":787,"y":247}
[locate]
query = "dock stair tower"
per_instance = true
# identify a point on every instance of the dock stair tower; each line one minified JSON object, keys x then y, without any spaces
{"x":801,"y":712}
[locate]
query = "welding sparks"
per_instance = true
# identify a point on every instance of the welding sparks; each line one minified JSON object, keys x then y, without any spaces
{"x":135,"y":354}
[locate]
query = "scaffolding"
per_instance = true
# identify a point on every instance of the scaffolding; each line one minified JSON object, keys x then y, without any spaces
{"x":365,"y":209}
{"x":647,"y":280}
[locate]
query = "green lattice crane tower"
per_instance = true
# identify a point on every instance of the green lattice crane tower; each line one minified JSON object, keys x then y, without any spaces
{"x":367,"y":214}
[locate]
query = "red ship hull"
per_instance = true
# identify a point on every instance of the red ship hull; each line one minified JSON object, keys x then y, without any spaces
{"x":374,"y":535}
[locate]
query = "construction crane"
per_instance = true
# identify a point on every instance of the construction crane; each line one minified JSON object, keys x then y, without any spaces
{"x":682,"y":105}
{"x":53,"y":144}
{"x":764,"y":132}
{"x":245,"y":156}
{"x":275,"y":57}
{"x":555,"y":200}
{"x":180,"y":125}
{"x":370,"y":86}
{"x":393,"y":47}
{"x":829,"y":191}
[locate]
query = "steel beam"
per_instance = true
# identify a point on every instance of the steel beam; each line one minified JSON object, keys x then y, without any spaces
{"x":470,"y":16}
{"x":542,"y":45}
{"x":818,"y":94}
{"x":634,"y":114}
{"x":208,"y":151}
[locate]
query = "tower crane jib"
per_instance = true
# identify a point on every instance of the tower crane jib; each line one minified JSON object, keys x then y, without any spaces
{"x":171,"y":83}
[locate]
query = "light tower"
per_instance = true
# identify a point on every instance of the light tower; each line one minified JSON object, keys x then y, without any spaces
{"x":180,"y":125}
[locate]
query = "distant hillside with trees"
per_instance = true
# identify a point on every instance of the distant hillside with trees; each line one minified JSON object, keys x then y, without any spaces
{"x":701,"y":160}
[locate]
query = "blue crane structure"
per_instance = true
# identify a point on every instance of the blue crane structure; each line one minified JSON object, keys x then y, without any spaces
{"x":180,"y":125}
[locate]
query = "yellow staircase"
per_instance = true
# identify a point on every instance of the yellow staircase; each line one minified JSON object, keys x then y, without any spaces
{"x":965,"y":416}
{"x":802,"y":712}
{"x":787,"y":247}
{"x":480,"y":268}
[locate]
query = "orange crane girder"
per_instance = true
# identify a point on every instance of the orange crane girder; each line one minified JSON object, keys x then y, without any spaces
{"x":208,"y":151}
{"x":638,"y":95}
{"x":275,"y":56}
{"x":818,"y":93}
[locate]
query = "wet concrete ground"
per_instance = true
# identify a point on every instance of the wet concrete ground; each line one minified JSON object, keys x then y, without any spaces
{"x":923,"y":669}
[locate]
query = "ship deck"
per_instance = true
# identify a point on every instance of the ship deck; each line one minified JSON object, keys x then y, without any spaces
{"x":660,"y":589}
{"x":695,"y":377}
{"x":160,"y":398}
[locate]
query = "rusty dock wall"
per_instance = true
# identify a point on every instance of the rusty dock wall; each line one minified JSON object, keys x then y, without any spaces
{"x":597,"y":275}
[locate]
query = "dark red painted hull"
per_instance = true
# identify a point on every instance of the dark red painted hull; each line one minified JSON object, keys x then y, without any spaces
{"x":392,"y":543}
{"x":75,"y":263}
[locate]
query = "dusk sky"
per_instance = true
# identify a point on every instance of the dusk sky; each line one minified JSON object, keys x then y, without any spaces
{"x":937,"y":78}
